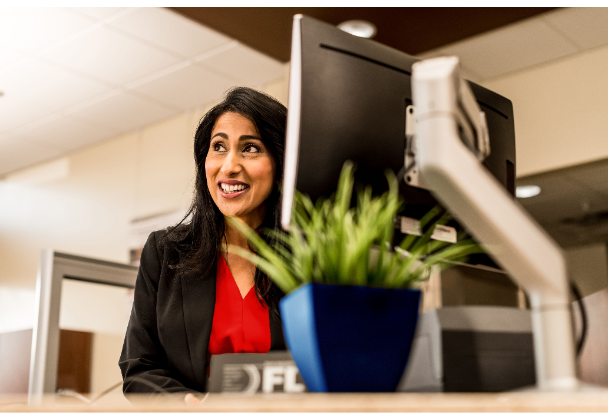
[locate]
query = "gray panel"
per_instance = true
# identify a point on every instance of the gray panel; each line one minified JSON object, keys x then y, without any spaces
{"x":485,"y":318}
{"x":54,"y":267}
{"x":476,"y":361}
{"x":470,"y":348}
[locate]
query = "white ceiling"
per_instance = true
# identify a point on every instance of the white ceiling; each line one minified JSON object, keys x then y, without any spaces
{"x":530,"y":42}
{"x":75,"y":76}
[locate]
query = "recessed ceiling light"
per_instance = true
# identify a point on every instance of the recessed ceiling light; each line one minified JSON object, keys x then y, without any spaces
{"x":361,"y":28}
{"x":1,"y":94}
{"x":527,"y":191}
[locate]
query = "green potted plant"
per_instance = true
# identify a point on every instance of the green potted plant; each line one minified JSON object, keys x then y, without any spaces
{"x":351,"y":306}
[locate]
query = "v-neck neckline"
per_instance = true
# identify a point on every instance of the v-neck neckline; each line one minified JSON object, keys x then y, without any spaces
{"x":234,"y":280}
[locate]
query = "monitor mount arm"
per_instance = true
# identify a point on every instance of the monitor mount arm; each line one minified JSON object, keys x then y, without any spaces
{"x":451,"y":140}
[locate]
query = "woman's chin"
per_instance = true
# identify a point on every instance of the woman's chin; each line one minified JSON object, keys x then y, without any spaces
{"x":252,"y":219}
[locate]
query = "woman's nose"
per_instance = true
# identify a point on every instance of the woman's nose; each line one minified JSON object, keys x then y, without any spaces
{"x":231,"y":164}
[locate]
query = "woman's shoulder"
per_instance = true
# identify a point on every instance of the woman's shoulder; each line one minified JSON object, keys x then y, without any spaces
{"x":154,"y":247}
{"x":158,"y":258}
{"x":156,"y":239}
{"x":168,"y":244}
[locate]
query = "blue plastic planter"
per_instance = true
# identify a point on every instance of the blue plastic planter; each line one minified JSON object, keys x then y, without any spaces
{"x":350,"y":338}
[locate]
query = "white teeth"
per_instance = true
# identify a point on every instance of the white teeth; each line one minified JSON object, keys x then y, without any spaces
{"x":232,"y":188}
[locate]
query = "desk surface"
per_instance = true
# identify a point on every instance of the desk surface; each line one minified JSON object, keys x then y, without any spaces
{"x":396,"y":402}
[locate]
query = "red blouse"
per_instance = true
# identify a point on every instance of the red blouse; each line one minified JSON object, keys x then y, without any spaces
{"x":240,"y":325}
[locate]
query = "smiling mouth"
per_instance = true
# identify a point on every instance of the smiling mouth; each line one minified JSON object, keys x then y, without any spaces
{"x":232,"y":188}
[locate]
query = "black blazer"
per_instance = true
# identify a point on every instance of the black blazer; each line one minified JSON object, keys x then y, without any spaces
{"x":168,"y":333}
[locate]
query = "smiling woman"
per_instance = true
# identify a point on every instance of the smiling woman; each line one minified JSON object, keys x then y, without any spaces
{"x":193,"y":298}
{"x":240,"y":170}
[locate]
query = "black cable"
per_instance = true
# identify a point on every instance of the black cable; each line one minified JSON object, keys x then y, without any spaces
{"x":134,"y":379}
{"x":106,"y":392}
{"x":149,"y":383}
{"x":577,"y":294}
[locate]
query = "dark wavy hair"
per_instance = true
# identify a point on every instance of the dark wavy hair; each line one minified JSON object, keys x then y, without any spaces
{"x":198,"y":237}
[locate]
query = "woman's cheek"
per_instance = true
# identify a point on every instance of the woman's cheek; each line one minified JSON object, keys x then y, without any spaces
{"x":208,"y":168}
{"x":210,"y":174}
{"x":263,"y":172}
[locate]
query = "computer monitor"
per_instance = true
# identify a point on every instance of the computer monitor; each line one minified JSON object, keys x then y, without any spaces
{"x":347,"y":101}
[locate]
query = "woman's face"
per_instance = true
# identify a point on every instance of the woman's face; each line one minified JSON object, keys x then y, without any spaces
{"x":240,"y":169}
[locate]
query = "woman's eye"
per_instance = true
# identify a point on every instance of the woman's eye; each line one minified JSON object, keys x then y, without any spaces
{"x":251,"y":148}
{"x":218,"y":147}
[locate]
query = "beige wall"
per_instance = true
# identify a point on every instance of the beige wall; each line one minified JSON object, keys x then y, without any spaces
{"x":105,"y":353}
{"x":588,"y":267}
{"x":560,"y":120}
{"x":560,"y":111}
{"x":88,"y":210}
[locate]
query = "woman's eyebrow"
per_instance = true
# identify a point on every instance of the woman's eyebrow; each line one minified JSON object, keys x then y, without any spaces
{"x":246,"y":137}
{"x":222,"y":135}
